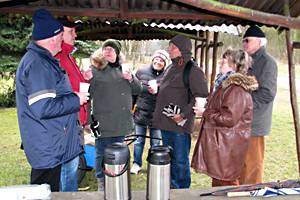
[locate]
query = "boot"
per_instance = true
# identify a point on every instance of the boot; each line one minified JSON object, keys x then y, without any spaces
{"x":100,"y":184}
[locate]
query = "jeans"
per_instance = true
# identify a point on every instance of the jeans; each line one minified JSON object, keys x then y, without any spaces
{"x":101,"y":143}
{"x":68,"y":176}
{"x":180,"y":164}
{"x":140,"y":142}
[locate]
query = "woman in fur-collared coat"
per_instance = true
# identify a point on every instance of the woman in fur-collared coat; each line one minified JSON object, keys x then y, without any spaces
{"x":111,"y":93}
{"x":226,"y":124}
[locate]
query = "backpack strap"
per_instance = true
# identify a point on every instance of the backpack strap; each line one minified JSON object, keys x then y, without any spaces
{"x":186,"y":78}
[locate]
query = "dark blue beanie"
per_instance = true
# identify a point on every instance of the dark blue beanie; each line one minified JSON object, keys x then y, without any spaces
{"x":45,"y":25}
{"x":254,"y":31}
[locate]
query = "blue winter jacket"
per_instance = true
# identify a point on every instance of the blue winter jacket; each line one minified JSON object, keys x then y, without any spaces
{"x":47,"y":110}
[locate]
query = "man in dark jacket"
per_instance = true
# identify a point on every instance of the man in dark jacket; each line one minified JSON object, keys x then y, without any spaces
{"x":145,"y":105}
{"x":174,"y":114}
{"x":47,"y":107}
{"x":264,"y":68}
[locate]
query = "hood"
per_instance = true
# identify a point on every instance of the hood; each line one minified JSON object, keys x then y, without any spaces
{"x":249,"y":83}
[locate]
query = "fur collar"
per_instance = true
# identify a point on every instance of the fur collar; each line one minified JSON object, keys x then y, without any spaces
{"x":249,"y":83}
{"x":98,"y":61}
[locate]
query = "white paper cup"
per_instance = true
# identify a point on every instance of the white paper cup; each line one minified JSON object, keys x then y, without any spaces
{"x":153,"y":85}
{"x":200,"y":102}
{"x":126,"y":68}
{"x":84,"y":87}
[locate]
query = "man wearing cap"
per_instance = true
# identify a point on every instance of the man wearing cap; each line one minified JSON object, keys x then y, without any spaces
{"x":264,"y":68}
{"x":145,"y":105}
{"x":68,"y":181}
{"x":111,"y":92}
{"x":174,"y":114}
{"x":46,"y":105}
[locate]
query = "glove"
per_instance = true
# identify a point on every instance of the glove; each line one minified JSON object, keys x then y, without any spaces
{"x":95,"y":127}
{"x":171,"y":110}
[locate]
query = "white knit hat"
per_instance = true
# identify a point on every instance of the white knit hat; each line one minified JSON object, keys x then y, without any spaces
{"x":162,"y":54}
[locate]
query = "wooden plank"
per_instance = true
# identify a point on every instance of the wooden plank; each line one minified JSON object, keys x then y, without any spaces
{"x":123,"y":13}
{"x":244,"y":13}
{"x":63,"y":11}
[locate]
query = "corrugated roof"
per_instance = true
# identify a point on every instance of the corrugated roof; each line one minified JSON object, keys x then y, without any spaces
{"x":170,"y":14}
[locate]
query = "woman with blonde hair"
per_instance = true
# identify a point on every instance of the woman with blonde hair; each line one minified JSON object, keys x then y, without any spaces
{"x":226,"y":121}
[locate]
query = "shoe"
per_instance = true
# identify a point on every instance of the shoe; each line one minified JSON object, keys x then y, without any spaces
{"x":135,"y":169}
{"x":100,"y":182}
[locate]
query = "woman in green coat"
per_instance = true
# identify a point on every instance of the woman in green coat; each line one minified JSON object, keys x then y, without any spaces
{"x":111,"y":92}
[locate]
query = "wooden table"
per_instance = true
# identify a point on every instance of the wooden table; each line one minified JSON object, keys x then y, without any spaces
{"x":182,"y":194}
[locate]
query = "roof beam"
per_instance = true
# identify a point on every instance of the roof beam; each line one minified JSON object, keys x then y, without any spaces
{"x":123,"y":14}
{"x":244,"y":13}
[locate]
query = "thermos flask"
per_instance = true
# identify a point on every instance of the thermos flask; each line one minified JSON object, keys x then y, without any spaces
{"x":117,"y":179}
{"x":158,"y":173}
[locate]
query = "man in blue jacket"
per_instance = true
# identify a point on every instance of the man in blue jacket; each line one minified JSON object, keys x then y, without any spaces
{"x":47,"y":107}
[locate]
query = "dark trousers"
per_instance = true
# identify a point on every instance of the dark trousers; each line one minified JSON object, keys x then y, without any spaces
{"x":50,"y":176}
{"x":180,"y":164}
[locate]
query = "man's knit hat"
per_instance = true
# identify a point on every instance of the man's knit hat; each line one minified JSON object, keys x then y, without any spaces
{"x":68,"y":22}
{"x":115,"y":44}
{"x":162,"y":54}
{"x":45,"y":25}
{"x":254,"y":31}
{"x":183,"y":43}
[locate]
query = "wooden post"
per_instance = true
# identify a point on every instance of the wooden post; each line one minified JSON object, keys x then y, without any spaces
{"x":292,"y":81}
{"x":214,"y":60}
{"x":207,"y":54}
{"x":202,"y":55}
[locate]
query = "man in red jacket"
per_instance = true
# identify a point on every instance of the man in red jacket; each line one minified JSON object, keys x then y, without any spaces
{"x":68,"y":180}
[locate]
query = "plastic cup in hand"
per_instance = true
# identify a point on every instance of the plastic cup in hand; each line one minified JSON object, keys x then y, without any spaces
{"x":200,"y":102}
{"x":125,"y":68}
{"x":84,"y":87}
{"x":153,"y":85}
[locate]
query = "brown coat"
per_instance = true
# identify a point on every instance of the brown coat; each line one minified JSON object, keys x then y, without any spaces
{"x":226,"y":126}
{"x":172,"y":90}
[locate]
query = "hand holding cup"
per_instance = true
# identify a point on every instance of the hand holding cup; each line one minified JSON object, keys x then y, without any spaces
{"x":126,"y":72}
{"x":153,"y":87}
{"x":199,"y":105}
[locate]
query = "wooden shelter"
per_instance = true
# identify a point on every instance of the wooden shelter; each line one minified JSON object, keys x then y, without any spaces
{"x":130,"y":19}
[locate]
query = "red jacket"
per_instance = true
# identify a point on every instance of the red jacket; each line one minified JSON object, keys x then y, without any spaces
{"x":68,"y":63}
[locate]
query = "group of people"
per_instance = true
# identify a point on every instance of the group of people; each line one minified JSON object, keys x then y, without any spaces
{"x":52,"y":110}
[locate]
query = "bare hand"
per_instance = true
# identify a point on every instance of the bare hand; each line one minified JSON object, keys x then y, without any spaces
{"x":83,"y":96}
{"x":151,"y":91}
{"x":198,"y":110}
{"x":127,"y":75}
{"x":87,"y":75}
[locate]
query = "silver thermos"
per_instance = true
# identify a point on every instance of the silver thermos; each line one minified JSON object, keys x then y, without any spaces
{"x":158,"y":174}
{"x":117,"y":179}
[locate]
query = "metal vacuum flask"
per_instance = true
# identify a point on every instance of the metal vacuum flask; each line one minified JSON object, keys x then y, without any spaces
{"x":117,"y":179}
{"x":158,"y":174}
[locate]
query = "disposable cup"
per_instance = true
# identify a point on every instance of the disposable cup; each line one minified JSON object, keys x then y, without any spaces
{"x":200,"y":102}
{"x":126,"y":68}
{"x":153,"y":85}
{"x":84,"y":87}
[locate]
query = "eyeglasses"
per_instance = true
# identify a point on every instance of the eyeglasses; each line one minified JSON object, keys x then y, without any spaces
{"x":108,"y":49}
{"x":246,"y":40}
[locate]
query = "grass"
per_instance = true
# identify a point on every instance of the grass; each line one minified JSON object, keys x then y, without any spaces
{"x":280,"y":158}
